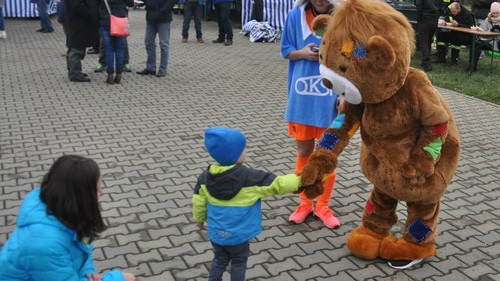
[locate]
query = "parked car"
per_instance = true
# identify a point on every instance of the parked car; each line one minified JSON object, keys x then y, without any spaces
{"x":406,"y":7}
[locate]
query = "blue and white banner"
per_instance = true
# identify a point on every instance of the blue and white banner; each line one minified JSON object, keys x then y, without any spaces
{"x":275,"y":12}
{"x":246,"y":11}
{"x":24,"y":9}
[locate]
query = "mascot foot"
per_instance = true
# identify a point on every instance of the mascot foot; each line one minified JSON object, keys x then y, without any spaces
{"x":402,"y":250}
{"x":365,"y":243}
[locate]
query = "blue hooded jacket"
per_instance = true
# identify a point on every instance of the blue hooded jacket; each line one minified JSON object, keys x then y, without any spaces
{"x":43,"y":248}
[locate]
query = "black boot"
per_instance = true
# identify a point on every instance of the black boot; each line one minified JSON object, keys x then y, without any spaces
{"x":118,"y":77}
{"x":454,"y":56}
{"x":110,"y":79}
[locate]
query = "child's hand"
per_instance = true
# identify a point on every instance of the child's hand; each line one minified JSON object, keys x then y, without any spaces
{"x":200,"y":225}
{"x":310,"y":52}
{"x":94,"y":277}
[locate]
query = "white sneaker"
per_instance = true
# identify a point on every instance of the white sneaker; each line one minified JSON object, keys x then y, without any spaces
{"x":3,"y":34}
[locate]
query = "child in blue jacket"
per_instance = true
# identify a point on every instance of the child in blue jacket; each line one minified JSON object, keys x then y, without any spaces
{"x":227,"y":195}
{"x":55,"y":226}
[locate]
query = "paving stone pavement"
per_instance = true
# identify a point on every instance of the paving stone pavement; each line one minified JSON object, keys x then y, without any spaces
{"x":147,"y":136}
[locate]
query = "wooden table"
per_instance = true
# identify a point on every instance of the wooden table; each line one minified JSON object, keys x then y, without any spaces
{"x":474,"y":33}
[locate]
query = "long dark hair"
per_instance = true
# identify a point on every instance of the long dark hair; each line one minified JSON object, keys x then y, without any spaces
{"x":69,"y":190}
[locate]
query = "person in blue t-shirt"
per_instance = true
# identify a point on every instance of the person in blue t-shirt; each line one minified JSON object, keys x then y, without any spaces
{"x":311,"y":107}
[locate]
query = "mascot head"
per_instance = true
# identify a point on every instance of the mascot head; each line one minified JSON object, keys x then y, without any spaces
{"x":366,"y":50}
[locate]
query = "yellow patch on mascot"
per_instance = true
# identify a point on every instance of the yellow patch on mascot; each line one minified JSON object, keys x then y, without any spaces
{"x":410,"y":143}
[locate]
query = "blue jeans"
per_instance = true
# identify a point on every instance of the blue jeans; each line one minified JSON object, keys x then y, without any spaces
{"x":42,"y":7}
{"x":222,"y":11}
{"x":2,"y":22}
{"x":163,"y":30}
{"x":113,"y":50}
{"x":237,"y":254}
{"x":190,"y":9}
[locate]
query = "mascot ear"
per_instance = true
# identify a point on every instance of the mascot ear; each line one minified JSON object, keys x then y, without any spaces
{"x":320,"y":23}
{"x":380,"y":53}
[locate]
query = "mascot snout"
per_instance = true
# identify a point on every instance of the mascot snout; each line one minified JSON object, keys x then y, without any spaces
{"x":340,"y":85}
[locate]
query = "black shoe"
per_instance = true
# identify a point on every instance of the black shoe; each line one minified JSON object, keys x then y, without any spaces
{"x":228,"y":42}
{"x":161,"y":73}
{"x":402,"y":264}
{"x":454,"y":62}
{"x":427,"y":67}
{"x":47,"y":31}
{"x":146,"y":72}
{"x":218,"y":40}
{"x":92,"y":51}
{"x":84,"y":74}
{"x":40,"y":30}
{"x":80,"y":78}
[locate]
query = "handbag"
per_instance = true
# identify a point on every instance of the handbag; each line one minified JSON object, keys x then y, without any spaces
{"x":118,"y":27}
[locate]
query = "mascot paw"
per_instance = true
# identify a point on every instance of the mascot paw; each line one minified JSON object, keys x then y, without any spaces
{"x":365,"y":243}
{"x":418,"y":171}
{"x":313,"y":191}
{"x":309,"y":175}
{"x":400,"y":249}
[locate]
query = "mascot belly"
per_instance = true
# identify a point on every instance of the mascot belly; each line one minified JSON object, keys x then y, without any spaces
{"x":410,"y":143}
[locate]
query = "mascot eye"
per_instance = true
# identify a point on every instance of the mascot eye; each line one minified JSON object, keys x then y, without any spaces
{"x":320,"y":57}
{"x":342,"y":68}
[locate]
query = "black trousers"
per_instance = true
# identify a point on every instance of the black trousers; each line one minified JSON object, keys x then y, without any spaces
{"x":426,"y":30}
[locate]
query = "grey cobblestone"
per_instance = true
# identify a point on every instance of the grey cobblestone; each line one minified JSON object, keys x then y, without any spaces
{"x":147,"y":136}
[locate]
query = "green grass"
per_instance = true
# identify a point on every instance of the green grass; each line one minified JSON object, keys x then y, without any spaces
{"x":481,"y":84}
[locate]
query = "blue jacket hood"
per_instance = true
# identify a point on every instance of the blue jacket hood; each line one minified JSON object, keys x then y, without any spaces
{"x":33,"y":211}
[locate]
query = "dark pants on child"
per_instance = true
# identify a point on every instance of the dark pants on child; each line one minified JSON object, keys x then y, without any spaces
{"x":237,"y":254}
{"x":223,"y":11}
{"x":426,"y":30}
{"x":192,"y":9}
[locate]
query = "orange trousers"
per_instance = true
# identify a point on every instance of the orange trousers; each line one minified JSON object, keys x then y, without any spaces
{"x":324,"y":198}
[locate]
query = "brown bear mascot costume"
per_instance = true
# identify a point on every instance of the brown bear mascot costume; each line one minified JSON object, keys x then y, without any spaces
{"x":410,"y":143}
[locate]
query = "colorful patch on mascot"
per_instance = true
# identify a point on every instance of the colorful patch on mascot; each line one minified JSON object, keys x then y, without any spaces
{"x":410,"y":143}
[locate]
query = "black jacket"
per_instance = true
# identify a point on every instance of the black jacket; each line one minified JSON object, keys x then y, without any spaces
{"x":428,"y":10}
{"x":118,"y":9}
{"x":159,"y":10}
{"x":82,"y":22}
{"x":464,"y":18}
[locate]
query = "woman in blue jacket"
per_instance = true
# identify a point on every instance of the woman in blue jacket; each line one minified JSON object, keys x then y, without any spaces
{"x":55,"y":226}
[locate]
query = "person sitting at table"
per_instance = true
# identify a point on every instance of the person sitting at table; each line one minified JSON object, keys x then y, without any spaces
{"x":491,"y":23}
{"x":461,"y":17}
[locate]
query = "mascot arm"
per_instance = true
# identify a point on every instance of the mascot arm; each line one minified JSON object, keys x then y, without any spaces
{"x":434,"y":120}
{"x":324,"y":159}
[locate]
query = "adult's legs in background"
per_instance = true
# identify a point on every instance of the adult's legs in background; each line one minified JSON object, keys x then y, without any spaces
{"x":45,"y":23}
{"x":3,"y":35}
{"x":164,"y":34}
{"x":222,"y":31}
{"x":188,"y":13}
{"x":197,"y":19}
{"x":227,"y":26}
{"x":426,"y":31}
{"x":149,"y":41}
{"x":74,"y":61}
